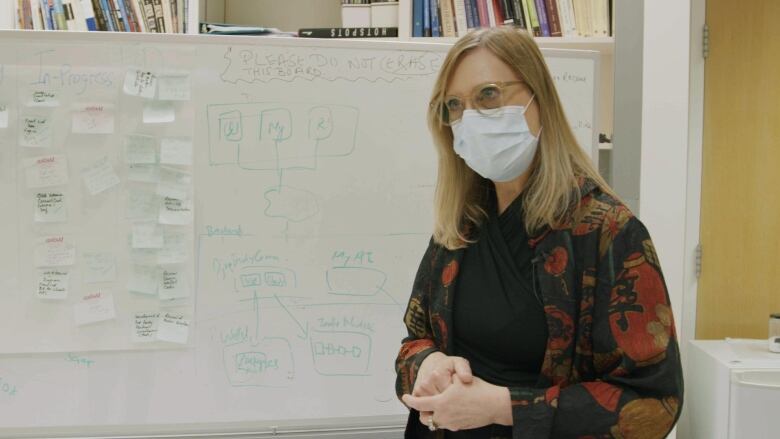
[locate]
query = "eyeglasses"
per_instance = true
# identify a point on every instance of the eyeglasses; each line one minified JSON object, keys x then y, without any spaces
{"x":487,"y":99}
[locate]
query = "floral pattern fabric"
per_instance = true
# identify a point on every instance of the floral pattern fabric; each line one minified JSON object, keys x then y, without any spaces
{"x":612,"y":363}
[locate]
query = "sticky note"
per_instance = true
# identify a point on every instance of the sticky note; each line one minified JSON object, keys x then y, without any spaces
{"x":159,"y":112}
{"x":143,"y":173}
{"x":98,"y":267}
{"x":173,"y":284}
{"x":35,"y":131}
{"x":175,"y":212}
{"x":54,"y":251}
{"x":140,"y":83}
{"x":174,"y":183}
{"x":174,"y":250}
{"x":4,"y":116}
{"x":145,"y":326}
{"x":93,"y":308}
{"x":50,"y":207}
{"x":52,"y":284}
{"x":99,"y":176}
{"x":93,"y":119}
{"x":143,"y":279}
{"x":147,"y":235}
{"x":46,"y":171}
{"x":140,"y":149}
{"x":176,"y":151}
{"x":142,"y":205}
{"x":173,"y":328}
{"x":174,"y":88}
{"x":43,"y":98}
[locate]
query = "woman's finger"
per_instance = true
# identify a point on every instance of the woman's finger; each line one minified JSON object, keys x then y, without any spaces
{"x":463,"y":369}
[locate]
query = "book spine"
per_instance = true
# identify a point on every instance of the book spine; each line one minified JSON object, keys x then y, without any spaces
{"x":533,"y":20}
{"x":435,"y":23}
{"x":461,"y":22}
{"x":35,"y":14}
{"x":59,"y":16}
{"x":447,"y":18}
{"x":159,"y":17}
{"x":109,"y":14}
{"x":517,"y":7}
{"x":174,"y":16}
{"x":89,"y":15}
{"x":100,"y":18}
{"x":25,"y":13}
{"x":167,"y":16}
{"x":417,"y":18}
{"x":498,"y":11}
{"x":349,"y":32}
{"x":148,"y":13}
{"x":553,"y":18}
{"x":138,"y":16}
{"x":565,"y":15}
{"x":427,"y":18}
{"x":126,"y":24}
{"x":509,"y":11}
{"x":71,"y":19}
{"x":470,"y":17}
{"x":603,"y":18}
{"x":482,"y":13}
{"x":541,"y":13}
{"x":491,"y":13}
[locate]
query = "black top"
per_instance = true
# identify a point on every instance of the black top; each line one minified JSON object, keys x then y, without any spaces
{"x":499,"y":324}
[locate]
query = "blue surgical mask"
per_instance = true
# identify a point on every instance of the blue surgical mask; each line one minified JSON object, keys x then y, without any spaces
{"x":499,"y":147}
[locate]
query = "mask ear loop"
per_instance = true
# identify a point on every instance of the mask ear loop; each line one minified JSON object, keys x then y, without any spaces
{"x":539,"y":134}
{"x":528,"y":104}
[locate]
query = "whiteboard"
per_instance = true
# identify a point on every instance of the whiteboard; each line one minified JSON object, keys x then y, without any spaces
{"x":314,"y":178}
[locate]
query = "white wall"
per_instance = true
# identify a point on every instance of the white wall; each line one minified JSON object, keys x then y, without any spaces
{"x":665,"y":138}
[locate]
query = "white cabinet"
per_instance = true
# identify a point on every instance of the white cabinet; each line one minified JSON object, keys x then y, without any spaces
{"x":732,"y":391}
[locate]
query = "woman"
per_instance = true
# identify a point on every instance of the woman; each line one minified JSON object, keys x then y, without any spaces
{"x":539,"y":309}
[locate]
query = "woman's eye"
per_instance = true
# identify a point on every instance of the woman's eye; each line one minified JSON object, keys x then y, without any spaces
{"x":488,"y":93}
{"x":453,"y":104}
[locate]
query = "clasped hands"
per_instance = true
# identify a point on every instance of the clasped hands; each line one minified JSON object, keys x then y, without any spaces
{"x":448,"y":396}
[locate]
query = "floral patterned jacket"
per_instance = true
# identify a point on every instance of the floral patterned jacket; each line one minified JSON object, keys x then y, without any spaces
{"x":612,"y":363}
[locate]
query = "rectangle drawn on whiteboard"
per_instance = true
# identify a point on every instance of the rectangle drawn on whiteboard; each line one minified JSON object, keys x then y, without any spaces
{"x":99,"y":176}
{"x":52,"y":284}
{"x":93,"y":119}
{"x":50,"y":207}
{"x":54,"y":251}
{"x":94,"y":308}
{"x":46,"y":171}
{"x":35,"y":131}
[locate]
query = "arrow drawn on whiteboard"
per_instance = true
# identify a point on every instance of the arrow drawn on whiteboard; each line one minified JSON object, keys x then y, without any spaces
{"x":304,"y":331}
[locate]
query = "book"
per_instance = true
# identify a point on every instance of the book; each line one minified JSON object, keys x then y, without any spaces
{"x":541,"y":13}
{"x":470,"y":17}
{"x":447,"y":18}
{"x":435,"y":23}
{"x":89,"y":15}
{"x":417,"y":18}
{"x":482,"y":13}
{"x":517,"y":7}
{"x":59,"y":16}
{"x":461,"y":23}
{"x":491,"y":13}
{"x":108,"y":11}
{"x":126,"y":24}
{"x":147,"y":11}
{"x":509,"y":11}
{"x":600,"y":10}
{"x":426,"y":18}
{"x":159,"y":16}
{"x":100,"y":18}
{"x":234,"y":29}
{"x":532,"y":20}
{"x":553,"y":19}
{"x":138,"y":16}
{"x":566,"y":15}
{"x":35,"y":14}
{"x":349,"y":32}
{"x":498,"y":11}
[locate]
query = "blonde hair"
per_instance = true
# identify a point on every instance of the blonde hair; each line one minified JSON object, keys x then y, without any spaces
{"x":552,"y":186}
